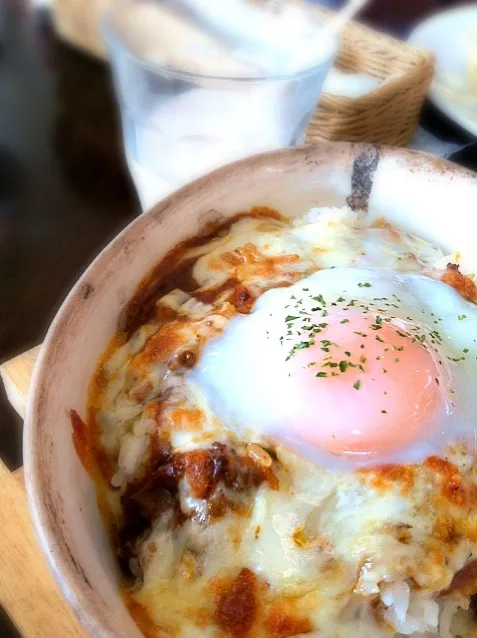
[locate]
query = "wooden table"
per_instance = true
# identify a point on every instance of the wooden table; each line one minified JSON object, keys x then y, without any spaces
{"x":28,"y":591}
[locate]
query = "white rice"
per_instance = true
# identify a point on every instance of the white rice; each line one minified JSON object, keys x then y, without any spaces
{"x":412,"y":613}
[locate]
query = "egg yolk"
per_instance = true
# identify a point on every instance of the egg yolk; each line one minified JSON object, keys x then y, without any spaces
{"x":362,"y":387}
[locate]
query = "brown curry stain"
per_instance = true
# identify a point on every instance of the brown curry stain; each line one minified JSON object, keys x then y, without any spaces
{"x":266,"y":268}
{"x":445,"y":529}
{"x":83,"y":442}
{"x":142,"y":618}
{"x":453,"y":486}
{"x":283,"y":621}
{"x":105,"y":465}
{"x":463,"y":284}
{"x":175,"y":272}
{"x":236,"y":603}
{"x":201,"y":617}
{"x":170,"y":273}
{"x":163,"y":343}
{"x":381,"y":478}
{"x":192,"y":418}
{"x":211,"y":294}
{"x":464,"y":581}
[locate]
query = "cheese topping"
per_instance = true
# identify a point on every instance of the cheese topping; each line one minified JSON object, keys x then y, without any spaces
{"x":227,"y":533}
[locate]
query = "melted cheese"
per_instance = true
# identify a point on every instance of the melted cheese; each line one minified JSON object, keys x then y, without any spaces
{"x":330,"y":542}
{"x":324,"y":238}
{"x":339,"y":553}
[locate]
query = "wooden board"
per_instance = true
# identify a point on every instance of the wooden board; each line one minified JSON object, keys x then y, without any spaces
{"x":28,"y":591}
{"x":16,"y":375}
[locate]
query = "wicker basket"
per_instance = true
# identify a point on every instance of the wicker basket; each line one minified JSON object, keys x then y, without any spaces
{"x":390,"y":113}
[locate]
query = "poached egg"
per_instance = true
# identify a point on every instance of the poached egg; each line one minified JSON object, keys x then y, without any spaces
{"x":349,"y":365}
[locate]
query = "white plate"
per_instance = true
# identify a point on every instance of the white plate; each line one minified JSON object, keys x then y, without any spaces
{"x":452,"y":37}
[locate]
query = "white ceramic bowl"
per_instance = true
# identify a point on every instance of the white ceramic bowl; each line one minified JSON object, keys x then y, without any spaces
{"x":428,"y":196}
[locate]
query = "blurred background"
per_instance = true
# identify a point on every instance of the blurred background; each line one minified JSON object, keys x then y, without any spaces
{"x":65,"y":190}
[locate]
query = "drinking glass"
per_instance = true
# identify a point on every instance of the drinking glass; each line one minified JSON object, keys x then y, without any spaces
{"x":178,"y":124}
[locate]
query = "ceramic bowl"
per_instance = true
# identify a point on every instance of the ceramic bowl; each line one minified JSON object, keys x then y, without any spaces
{"x":418,"y":193}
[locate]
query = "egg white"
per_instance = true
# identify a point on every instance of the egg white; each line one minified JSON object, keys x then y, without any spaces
{"x":242,"y":372}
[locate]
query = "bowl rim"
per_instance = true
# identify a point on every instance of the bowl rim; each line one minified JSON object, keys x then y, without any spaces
{"x":68,"y":574}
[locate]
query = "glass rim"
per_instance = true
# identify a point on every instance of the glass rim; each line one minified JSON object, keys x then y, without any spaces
{"x":115,"y":41}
